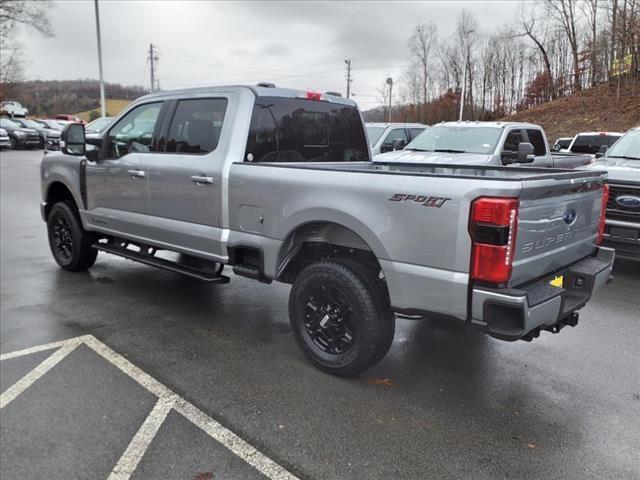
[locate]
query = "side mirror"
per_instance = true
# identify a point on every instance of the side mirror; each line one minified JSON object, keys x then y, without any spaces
{"x":526,"y":153}
{"x":603,"y":149}
{"x":556,"y":148}
{"x":72,"y":140}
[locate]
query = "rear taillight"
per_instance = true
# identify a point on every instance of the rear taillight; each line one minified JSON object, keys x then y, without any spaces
{"x":603,"y":211}
{"x":492,"y":228}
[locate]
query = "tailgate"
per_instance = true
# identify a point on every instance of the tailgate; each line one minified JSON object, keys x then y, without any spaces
{"x":558,"y":223}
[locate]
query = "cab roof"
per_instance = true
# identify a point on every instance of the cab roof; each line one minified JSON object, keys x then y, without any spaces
{"x":259,"y":90}
{"x":396,"y":124}
{"x":469,"y":123}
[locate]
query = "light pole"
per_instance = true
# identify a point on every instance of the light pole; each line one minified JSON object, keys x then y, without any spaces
{"x":102,"y":102}
{"x":390,"y":83}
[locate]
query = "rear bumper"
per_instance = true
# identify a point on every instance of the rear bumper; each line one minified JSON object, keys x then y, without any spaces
{"x":520,"y":313}
{"x":624,"y":236}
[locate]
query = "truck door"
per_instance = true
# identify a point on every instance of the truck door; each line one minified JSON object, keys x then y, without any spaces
{"x":117,"y":183}
{"x":185,"y":178}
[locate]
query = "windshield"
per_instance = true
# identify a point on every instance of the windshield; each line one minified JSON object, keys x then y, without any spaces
{"x":457,"y":139}
{"x":374,"y":134}
{"x":98,"y":125}
{"x":627,"y":147}
{"x":31,"y":124}
{"x":592,"y":143}
{"x":5,"y":122}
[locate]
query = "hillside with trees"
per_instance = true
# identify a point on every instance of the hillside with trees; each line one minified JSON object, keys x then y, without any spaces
{"x":67,"y":96}
{"x":551,"y":50}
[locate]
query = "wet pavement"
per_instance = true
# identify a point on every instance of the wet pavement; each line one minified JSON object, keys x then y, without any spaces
{"x":446,"y":402}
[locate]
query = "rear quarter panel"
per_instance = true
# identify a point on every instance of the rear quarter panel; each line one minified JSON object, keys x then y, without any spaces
{"x":424,"y":251}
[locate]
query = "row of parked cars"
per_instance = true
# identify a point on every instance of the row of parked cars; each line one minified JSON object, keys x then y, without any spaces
{"x":523,"y":144}
{"x":41,"y":133}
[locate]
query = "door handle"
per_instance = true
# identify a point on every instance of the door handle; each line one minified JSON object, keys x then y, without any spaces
{"x":137,"y":173}
{"x":201,"y":179}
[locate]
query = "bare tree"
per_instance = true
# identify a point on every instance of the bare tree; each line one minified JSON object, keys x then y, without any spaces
{"x":420,"y":45}
{"x":13,"y":13}
{"x":590,"y":9}
{"x":564,"y":12}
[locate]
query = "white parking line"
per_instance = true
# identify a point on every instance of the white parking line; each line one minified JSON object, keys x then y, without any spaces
{"x":167,"y":400}
{"x":133,"y":454}
{"x":25,"y":382}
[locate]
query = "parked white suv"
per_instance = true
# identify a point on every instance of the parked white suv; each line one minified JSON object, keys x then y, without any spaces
{"x":13,"y":109}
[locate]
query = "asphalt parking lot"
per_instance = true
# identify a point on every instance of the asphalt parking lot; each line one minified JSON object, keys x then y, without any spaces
{"x":151,"y":376}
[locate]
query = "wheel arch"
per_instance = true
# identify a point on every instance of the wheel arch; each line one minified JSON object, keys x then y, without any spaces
{"x":57,"y":191}
{"x":311,"y":241}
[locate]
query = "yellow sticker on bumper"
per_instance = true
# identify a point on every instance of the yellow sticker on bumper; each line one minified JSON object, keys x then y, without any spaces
{"x":557,"y":281}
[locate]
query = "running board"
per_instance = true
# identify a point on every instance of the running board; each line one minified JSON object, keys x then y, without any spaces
{"x":153,"y":261}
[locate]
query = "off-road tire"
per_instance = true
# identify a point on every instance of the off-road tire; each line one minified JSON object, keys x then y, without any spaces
{"x":370,"y":313}
{"x":74,"y":252}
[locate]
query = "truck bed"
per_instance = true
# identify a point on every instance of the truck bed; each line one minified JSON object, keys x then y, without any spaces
{"x":440,"y":170}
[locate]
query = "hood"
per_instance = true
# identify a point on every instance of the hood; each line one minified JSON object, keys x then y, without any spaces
{"x":619,"y":169}
{"x":408,"y":156}
{"x":50,"y":132}
{"x":25,"y":130}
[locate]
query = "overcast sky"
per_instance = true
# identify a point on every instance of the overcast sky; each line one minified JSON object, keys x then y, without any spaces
{"x":295,"y":44}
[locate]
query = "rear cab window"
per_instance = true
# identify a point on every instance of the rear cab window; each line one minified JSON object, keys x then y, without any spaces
{"x":298,"y":130}
{"x":592,"y":143}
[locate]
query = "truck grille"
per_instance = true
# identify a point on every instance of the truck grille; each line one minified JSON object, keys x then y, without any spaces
{"x":617,"y":208}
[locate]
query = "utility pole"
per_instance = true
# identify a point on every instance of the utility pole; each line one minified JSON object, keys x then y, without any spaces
{"x":153,"y":58}
{"x":102,"y":101}
{"x":348,"y":62}
{"x":390,"y":83}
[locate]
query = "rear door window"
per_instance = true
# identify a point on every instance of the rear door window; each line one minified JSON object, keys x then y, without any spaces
{"x":195,"y":126}
{"x":537,"y":140}
{"x":300,"y":130}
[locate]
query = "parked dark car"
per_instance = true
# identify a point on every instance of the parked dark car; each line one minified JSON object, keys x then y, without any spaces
{"x":48,"y":123}
{"x":44,"y":132}
{"x":20,"y":137}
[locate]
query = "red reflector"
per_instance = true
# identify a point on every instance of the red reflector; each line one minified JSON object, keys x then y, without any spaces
{"x":495,"y":211}
{"x":491,"y":263}
{"x":314,"y":96}
{"x":603,"y":211}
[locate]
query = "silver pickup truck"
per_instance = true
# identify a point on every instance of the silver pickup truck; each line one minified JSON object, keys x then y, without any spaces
{"x":484,"y":143}
{"x":278,"y":184}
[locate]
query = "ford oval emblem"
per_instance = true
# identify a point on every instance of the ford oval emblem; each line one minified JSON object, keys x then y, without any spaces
{"x":570,"y":217}
{"x":628,"y":201}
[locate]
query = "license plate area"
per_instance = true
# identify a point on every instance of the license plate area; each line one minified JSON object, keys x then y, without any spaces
{"x":557,"y":281}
